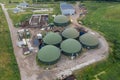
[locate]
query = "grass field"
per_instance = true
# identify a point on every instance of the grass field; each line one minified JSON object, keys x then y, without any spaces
{"x":22,"y":16}
{"x":7,"y":1}
{"x":19,"y":17}
{"x":8,"y":65}
{"x":105,"y":18}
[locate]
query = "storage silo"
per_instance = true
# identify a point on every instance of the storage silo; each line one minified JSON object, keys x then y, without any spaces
{"x":52,"y":38}
{"x":61,"y":20}
{"x":89,"y":40}
{"x":49,"y":54}
{"x":70,"y":33}
{"x":71,"y":47}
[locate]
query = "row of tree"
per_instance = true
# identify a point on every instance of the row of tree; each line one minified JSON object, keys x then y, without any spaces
{"x":36,"y":1}
{"x":73,"y":0}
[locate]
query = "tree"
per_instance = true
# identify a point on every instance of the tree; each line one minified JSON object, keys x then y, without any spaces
{"x":9,"y":1}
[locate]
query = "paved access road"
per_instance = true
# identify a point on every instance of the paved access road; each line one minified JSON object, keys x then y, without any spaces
{"x":104,"y":48}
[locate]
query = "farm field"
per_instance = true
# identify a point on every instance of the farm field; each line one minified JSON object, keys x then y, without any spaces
{"x":104,"y":17}
{"x":8,"y":65}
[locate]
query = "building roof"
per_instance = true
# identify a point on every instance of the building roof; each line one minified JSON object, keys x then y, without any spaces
{"x":70,"y":33}
{"x":89,"y":39}
{"x":23,"y":4}
{"x":16,"y":9}
{"x":64,"y":6}
{"x":52,"y":38}
{"x":61,"y":19}
{"x":70,"y":46}
{"x":49,"y":54}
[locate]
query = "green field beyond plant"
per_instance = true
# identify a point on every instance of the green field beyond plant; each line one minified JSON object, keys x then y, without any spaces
{"x":8,"y":65}
{"x":7,"y":1}
{"x":104,"y":17}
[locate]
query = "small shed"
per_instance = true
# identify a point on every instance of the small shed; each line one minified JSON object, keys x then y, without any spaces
{"x":16,"y":10}
{"x":39,"y":36}
{"x":26,"y":50}
{"x":20,"y":43}
{"x":23,"y":5}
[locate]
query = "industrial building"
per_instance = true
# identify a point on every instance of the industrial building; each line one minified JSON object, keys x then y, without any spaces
{"x":71,"y":47}
{"x":70,"y":33}
{"x":49,"y":54}
{"x":23,"y":5}
{"x":61,"y":20}
{"x":67,"y":9}
{"x":16,"y":10}
{"x":89,"y":40}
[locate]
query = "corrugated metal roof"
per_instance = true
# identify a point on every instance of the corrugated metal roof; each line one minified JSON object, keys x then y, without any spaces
{"x":66,"y":6}
{"x":16,"y":9}
{"x":23,"y":4}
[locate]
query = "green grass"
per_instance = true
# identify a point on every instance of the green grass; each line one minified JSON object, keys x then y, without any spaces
{"x":7,"y":1}
{"x":54,"y":5}
{"x":105,"y":18}
{"x":56,"y":11}
{"x":8,"y":65}
{"x":19,"y":17}
{"x":22,"y":16}
{"x":12,"y":5}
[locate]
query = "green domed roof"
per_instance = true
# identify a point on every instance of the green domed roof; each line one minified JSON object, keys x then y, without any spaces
{"x":70,"y":46}
{"x":52,"y":38}
{"x":49,"y":54}
{"x":61,"y":19}
{"x":70,"y":33}
{"x":89,"y":40}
